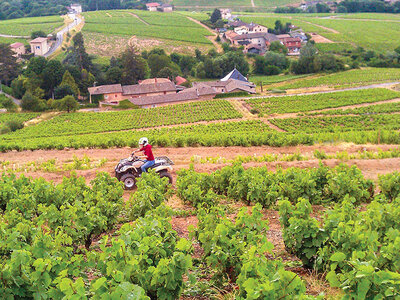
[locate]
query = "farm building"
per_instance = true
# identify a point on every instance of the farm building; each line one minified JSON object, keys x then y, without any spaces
{"x":165,"y":8}
{"x":18,"y":49}
{"x":75,"y":8}
{"x":39,"y":46}
{"x":293,"y":44}
{"x":261,"y":39}
{"x":226,"y":13}
{"x":115,"y":93}
{"x":250,"y":28}
{"x":152,"y":6}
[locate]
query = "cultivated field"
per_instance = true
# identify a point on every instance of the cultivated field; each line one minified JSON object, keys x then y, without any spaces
{"x":117,"y":29}
{"x":289,"y":178}
{"x":25,"y":26}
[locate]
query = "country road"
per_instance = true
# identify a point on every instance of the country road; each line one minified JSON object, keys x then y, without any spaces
{"x":15,"y":100}
{"x":60,"y":35}
{"x":14,"y":36}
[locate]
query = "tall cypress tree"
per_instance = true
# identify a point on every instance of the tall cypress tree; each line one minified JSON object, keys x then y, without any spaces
{"x":9,"y":68}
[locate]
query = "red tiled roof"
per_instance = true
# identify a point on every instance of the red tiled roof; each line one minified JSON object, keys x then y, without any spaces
{"x":179,"y":80}
{"x":38,"y":40}
{"x":16,"y":45}
{"x":152,"y":4}
{"x":105,"y":89}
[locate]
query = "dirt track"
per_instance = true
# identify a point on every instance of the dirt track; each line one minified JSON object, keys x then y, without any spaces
{"x":182,"y":158}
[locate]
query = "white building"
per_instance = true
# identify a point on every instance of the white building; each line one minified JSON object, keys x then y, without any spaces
{"x":76,"y":8}
{"x":226,"y":13}
{"x":39,"y":46}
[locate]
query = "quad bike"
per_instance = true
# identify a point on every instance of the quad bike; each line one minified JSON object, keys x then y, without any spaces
{"x":128,"y":169}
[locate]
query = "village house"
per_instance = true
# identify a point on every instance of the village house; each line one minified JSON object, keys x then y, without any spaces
{"x":262,"y":39}
{"x":39,"y":46}
{"x":254,"y":49}
{"x":293,"y":44}
{"x":250,"y":28}
{"x":18,"y":49}
{"x":231,"y":83}
{"x":165,"y":8}
{"x":75,"y":8}
{"x":115,"y":93}
{"x":152,"y":6}
{"x":226,"y":13}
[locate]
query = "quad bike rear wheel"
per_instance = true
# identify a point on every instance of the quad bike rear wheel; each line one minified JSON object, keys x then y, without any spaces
{"x":166,"y":174}
{"x":129,"y":181}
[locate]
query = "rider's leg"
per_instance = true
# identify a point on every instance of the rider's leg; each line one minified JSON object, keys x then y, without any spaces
{"x":147,"y":165}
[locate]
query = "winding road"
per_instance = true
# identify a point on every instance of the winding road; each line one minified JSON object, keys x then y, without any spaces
{"x":60,"y":35}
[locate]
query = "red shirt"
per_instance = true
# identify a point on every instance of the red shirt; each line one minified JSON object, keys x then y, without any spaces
{"x":147,"y":151}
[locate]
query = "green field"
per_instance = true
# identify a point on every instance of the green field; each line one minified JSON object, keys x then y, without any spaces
{"x":356,"y":77}
{"x":92,"y":122}
{"x":339,"y":124}
{"x":25,"y":26}
{"x":367,"y":110}
{"x":290,"y":104}
{"x":143,"y":24}
{"x":20,"y":117}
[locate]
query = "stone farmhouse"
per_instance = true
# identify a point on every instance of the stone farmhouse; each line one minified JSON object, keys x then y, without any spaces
{"x":39,"y":46}
{"x":18,"y":49}
{"x":161,"y":91}
{"x":155,"y":6}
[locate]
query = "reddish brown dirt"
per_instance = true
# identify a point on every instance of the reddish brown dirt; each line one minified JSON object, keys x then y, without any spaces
{"x":182,"y":158}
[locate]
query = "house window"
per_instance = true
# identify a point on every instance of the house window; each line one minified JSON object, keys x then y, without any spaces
{"x":105,"y":96}
{"x":116,"y":96}
{"x":37,"y":47}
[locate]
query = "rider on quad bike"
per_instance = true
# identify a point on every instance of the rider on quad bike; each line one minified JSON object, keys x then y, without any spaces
{"x":145,"y":147}
{"x":128,"y":170}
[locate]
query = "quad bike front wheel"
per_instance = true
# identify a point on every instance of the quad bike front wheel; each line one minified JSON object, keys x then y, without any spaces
{"x":129,"y":181}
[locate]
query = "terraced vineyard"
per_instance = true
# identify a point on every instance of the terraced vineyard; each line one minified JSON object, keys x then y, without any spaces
{"x":25,"y":26}
{"x":339,"y":124}
{"x":83,"y":123}
{"x":351,"y":78}
{"x":367,"y":110}
{"x":288,"y":104}
{"x":171,"y":26}
{"x":19,"y":117}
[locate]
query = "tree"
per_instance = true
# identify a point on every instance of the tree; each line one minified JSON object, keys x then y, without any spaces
{"x":36,"y":66}
{"x":77,"y":55}
{"x":277,"y":46}
{"x":67,"y":103}
{"x":68,"y":80}
{"x":52,"y":76}
{"x":157,"y":62}
{"x":277,"y":59}
{"x":63,"y":90}
{"x":167,"y":73}
{"x":33,"y":103}
{"x":134,"y":67}
{"x":39,"y":33}
{"x":17,"y":86}
{"x":9,"y":68}
{"x":215,"y":16}
{"x":113,"y":75}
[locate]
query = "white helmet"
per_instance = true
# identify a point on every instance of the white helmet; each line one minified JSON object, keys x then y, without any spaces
{"x":143,"y":141}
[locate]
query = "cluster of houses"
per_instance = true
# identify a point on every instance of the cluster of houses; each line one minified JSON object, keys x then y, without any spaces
{"x":39,"y":47}
{"x":256,"y":39}
{"x":155,"y":6}
{"x":162,"y":91}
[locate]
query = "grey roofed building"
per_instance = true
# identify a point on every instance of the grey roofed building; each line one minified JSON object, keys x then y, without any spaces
{"x":235,"y":74}
{"x":267,"y":36}
{"x":138,"y":89}
{"x":163,"y":99}
{"x":105,"y":89}
{"x":237,"y":23}
{"x":228,"y":86}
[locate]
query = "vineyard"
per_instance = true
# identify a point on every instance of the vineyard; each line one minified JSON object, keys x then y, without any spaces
{"x":83,"y":123}
{"x":357,"y":77}
{"x":139,"y":23}
{"x":279,"y":105}
{"x":19,"y":117}
{"x":79,"y":241}
{"x":25,"y":26}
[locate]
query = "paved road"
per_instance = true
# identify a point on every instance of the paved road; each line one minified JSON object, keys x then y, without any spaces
{"x":15,"y":100}
{"x":60,"y":34}
{"x":15,"y":36}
